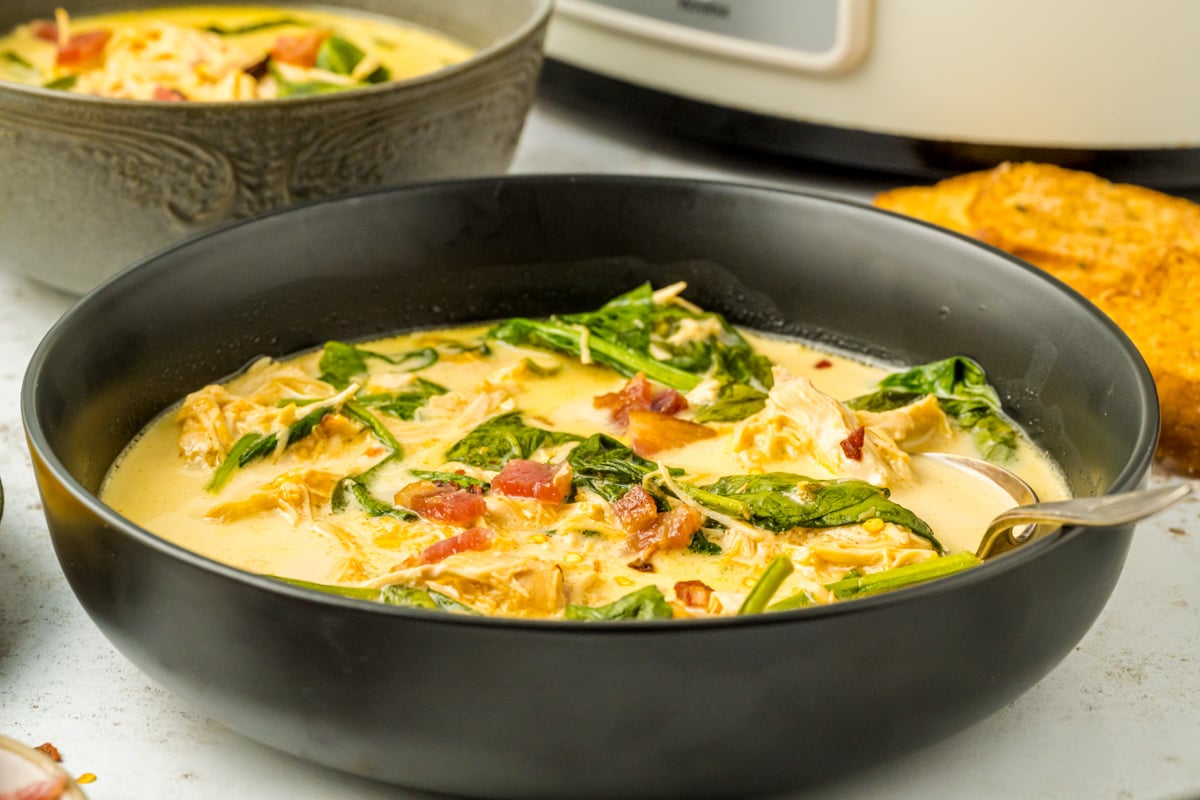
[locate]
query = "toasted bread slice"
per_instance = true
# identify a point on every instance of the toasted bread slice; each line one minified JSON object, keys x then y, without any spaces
{"x":1158,"y":312}
{"x":1132,"y":251}
{"x":1041,"y":212}
{"x":947,"y":203}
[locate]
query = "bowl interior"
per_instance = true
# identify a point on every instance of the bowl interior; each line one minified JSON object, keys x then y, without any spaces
{"x":479,"y":24}
{"x":456,"y":252}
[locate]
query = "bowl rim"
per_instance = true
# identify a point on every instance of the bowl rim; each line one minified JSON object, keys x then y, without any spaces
{"x":44,"y":764}
{"x":1129,"y":477}
{"x":537,"y":18}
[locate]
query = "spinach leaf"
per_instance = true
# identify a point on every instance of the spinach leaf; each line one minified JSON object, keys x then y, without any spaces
{"x":358,"y":486}
{"x":554,"y":334}
{"x":645,"y":603}
{"x":702,"y":545}
{"x":607,"y":467}
{"x":17,"y":60}
{"x":461,"y":481}
{"x":339,"y":56}
{"x":410,"y":597}
{"x":62,"y":84}
{"x":357,"y":592}
{"x":631,"y":333}
{"x":403,"y":405}
{"x":963,"y":393}
{"x":493,"y":443}
{"x":253,"y":446}
{"x":779,"y":501}
{"x":342,"y":363}
{"x":413,"y":597}
{"x":377,"y":428}
{"x":252,"y":27}
{"x":288,"y":88}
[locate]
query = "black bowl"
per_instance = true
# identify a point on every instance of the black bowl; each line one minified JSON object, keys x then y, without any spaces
{"x":530,"y":708}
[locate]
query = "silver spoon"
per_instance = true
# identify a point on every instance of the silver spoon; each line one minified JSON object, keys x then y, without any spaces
{"x":1036,"y":519}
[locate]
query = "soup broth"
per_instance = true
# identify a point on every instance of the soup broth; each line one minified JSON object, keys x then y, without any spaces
{"x":497,"y":470}
{"x":221,"y":53}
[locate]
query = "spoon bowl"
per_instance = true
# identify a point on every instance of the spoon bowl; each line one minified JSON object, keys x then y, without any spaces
{"x":1032,"y":519}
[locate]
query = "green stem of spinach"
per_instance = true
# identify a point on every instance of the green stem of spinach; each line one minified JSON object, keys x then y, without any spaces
{"x":253,"y":446}
{"x":569,"y":339}
{"x":766,"y":587}
{"x":372,"y":423}
{"x":887,"y":580}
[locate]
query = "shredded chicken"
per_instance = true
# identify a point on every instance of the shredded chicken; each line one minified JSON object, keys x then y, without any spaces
{"x":215,"y":417}
{"x":296,"y":494}
{"x":921,"y":425}
{"x":798,"y":421}
{"x":495,"y":583}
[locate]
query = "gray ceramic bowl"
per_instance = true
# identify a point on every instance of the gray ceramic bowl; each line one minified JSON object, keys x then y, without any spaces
{"x":91,"y":185}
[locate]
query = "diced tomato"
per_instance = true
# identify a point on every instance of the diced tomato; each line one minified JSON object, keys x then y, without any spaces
{"x":824,"y":363}
{"x":299,"y":50}
{"x":694,"y":594}
{"x":173,"y":95}
{"x":635,"y":510}
{"x":852,"y":445}
{"x":651,"y":431}
{"x":470,"y":539}
{"x":83,"y":49}
{"x":548,"y":483}
{"x":44,"y":29}
{"x":443,"y":502}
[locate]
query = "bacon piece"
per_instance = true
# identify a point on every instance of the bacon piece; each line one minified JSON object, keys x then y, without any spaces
{"x":650,"y":531}
{"x":444,"y":502}
{"x":44,"y":29}
{"x":299,"y":50}
{"x":672,"y":530}
{"x":693,"y":594}
{"x":169,"y":95}
{"x":50,"y":750}
{"x":669,"y":402}
{"x":635,"y":510}
{"x":638,"y":394}
{"x":650,"y":432}
{"x":852,"y":445}
{"x":83,"y":49}
{"x":470,"y":539}
{"x":548,"y":483}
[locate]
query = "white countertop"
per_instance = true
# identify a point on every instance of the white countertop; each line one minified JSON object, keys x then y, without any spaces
{"x":1119,"y":718}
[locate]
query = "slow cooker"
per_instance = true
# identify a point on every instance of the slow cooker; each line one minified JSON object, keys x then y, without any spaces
{"x":921,"y":87}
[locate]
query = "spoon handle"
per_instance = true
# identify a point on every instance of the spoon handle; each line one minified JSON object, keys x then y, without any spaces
{"x":1103,"y":511}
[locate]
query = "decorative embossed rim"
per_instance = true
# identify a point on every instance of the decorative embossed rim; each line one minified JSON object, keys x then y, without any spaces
{"x":538,"y":18}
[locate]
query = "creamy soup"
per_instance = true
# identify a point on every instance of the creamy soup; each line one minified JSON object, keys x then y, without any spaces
{"x":219,"y":53}
{"x":645,"y":460}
